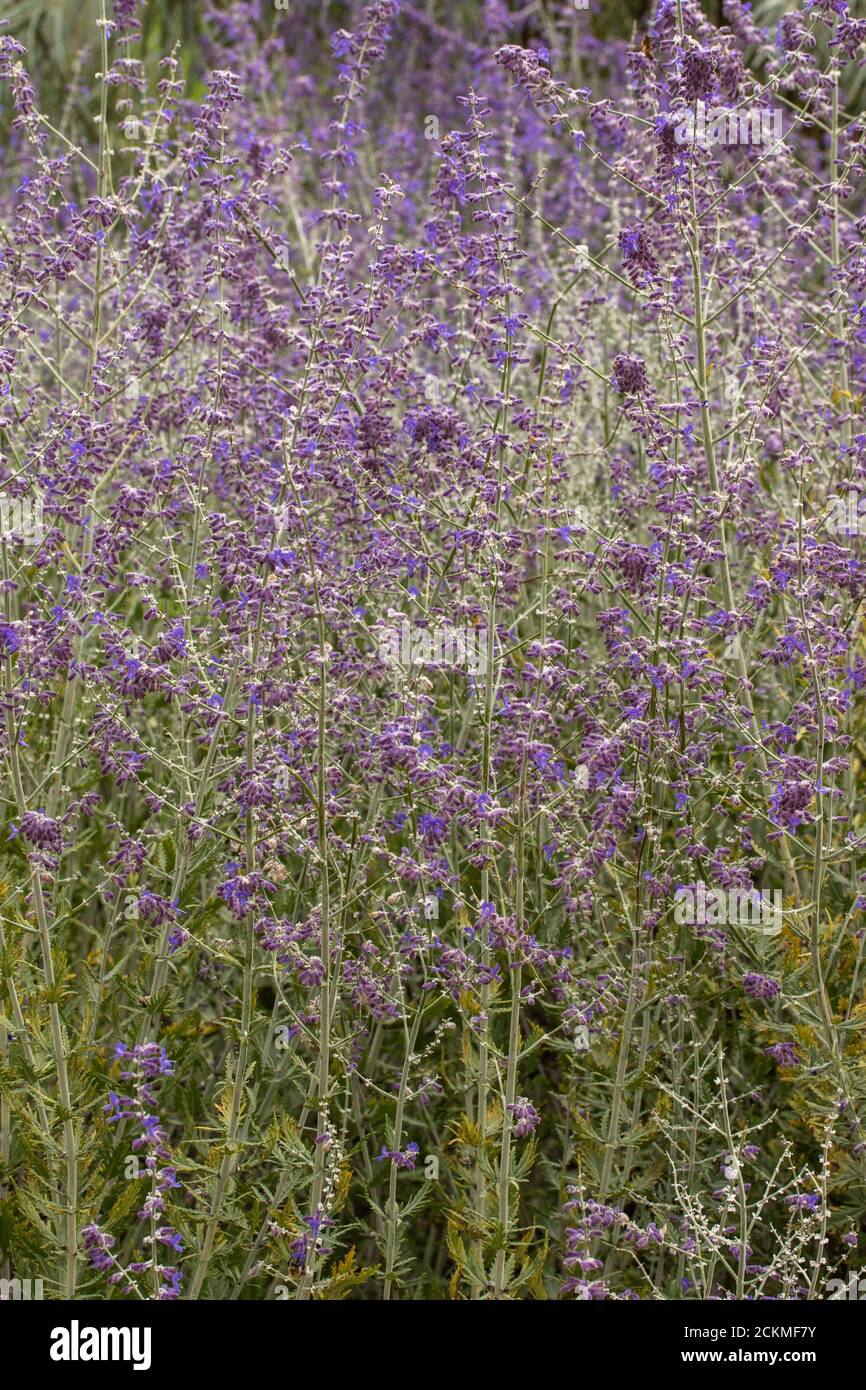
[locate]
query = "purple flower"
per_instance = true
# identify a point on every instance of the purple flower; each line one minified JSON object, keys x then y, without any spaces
{"x":630,"y":375}
{"x":760,"y":986}
{"x":804,"y":1201}
{"x":637,"y":250}
{"x":526,"y":1117}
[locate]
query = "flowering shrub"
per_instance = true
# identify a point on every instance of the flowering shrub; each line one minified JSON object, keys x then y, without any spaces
{"x":436,"y":461}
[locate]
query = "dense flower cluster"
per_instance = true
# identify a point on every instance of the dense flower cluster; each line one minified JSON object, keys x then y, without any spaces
{"x":144,"y":1064}
{"x":366,"y":337}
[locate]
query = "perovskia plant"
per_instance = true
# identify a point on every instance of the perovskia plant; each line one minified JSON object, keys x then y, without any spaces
{"x":433,"y":334}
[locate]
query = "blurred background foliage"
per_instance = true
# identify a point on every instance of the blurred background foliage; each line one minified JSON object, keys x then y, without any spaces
{"x":62,"y":36}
